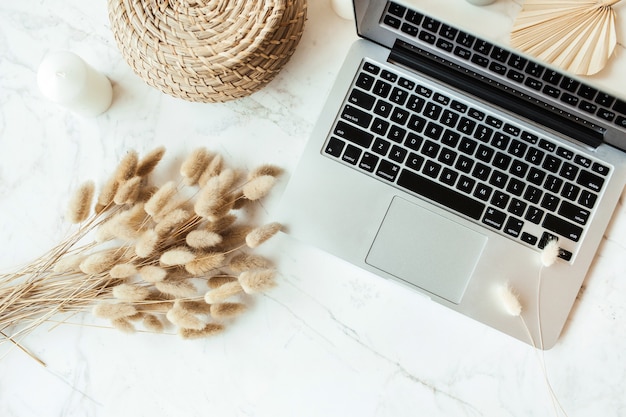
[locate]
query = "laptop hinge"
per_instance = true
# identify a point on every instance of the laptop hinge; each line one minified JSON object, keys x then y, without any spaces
{"x":494,"y":92}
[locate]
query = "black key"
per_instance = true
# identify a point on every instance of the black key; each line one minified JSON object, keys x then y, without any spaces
{"x":517,"y":207}
{"x":450,"y":138}
{"x":464,"y":164}
{"x":462,"y":52}
{"x":387,"y":170}
{"x":430,"y":149}
{"x":498,"y":68}
{"x":533,"y":83}
{"x":413,"y":141}
{"x":427,"y":37}
{"x":569,"y":84}
{"x":587,"y":199}
{"x":483,"y":47}
{"x":468,"y":145}
{"x":515,"y":76}
{"x":564,"y":153}
{"x":553,"y":184}
{"x":448,"y":176}
{"x":552,"y":91}
{"x":381,"y":146}
{"x":494,"y":218}
{"x":569,"y":99}
{"x":353,"y":134}
{"x":498,"y":179}
{"x":517,"y":148}
{"x":587,"y":92}
{"x":365,"y":81}
{"x":465,"y":39}
{"x":414,"y":17}
{"x":441,"y":99}
{"x":536,"y":176}
{"x":606,"y":114}
{"x":448,"y":32}
{"x":466,"y":126}
{"x":499,"y":199}
{"x":604,"y":99}
{"x":465,"y":184}
{"x":501,"y":161}
{"x":409,"y":29}
{"x":528,"y":238}
{"x":476,"y":114}
{"x":447,"y":156}
{"x":334,"y":147}
{"x":546,"y":238}
{"x":431,"y":24}
{"x":500,"y":140}
{"x":534,"y":156}
{"x":568,"y":171}
{"x":381,"y":88}
{"x":481,"y":171}
{"x":519,"y":168}
{"x":483,"y":133}
{"x":416,"y":123}
{"x":565,"y":254}
{"x":493,"y":122}
{"x":438,"y":193}
{"x":398,"y":96}
{"x":482,"y":191}
{"x":449,"y":118}
{"x":574,"y":213}
{"x":590,"y":180}
{"x":552,"y":77}
{"x":432,"y":111}
{"x":399,"y":116}
{"x":500,"y":54}
{"x":534,"y":214}
{"x":479,"y":60}
{"x":621,"y":121}
{"x":562,"y":227}
{"x":551,"y":163}
{"x":382,"y":108}
{"x":570,"y":191}
{"x":529,"y":137}
{"x":368,"y":162}
{"x":415,"y":103}
{"x":515,"y":187}
{"x":371,"y":68}
{"x":356,"y":116}
{"x":511,"y":130}
{"x":432,"y":169}
{"x":352,"y":154}
{"x":396,"y":9}
{"x":582,"y":161}
{"x":380,"y":126}
{"x":396,"y":134}
{"x":394,"y":22}
{"x":548,"y":146}
{"x":620,"y":106}
{"x":550,"y":202}
{"x":600,"y":169}
{"x":423,"y":91}
{"x":414,"y":161}
{"x":458,"y":106}
{"x":484,"y":153}
{"x":517,"y":62}
{"x":389,"y":76}
{"x":361,"y":99}
{"x":534,"y":69}
{"x":404,"y":83}
{"x":433,"y":130}
{"x":397,"y":154}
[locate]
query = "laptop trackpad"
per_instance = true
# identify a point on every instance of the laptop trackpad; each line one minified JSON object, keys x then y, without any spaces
{"x":427,"y":250}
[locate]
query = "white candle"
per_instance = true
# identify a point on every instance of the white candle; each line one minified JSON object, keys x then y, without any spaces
{"x":63,"y":77}
{"x":343,"y":8}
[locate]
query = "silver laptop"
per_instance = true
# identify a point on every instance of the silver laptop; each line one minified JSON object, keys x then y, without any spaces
{"x":446,"y":162}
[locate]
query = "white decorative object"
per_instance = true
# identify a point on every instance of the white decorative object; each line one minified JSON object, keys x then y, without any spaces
{"x":64,"y":78}
{"x":343,"y":8}
{"x":481,"y":2}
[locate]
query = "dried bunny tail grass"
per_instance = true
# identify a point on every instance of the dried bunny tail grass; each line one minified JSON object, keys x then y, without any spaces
{"x":124,"y":270}
{"x":260,"y":234}
{"x":154,"y":306}
{"x":155,"y":205}
{"x":152,"y":323}
{"x":152,"y":273}
{"x":123,"y":324}
{"x":147,"y":243}
{"x":246,"y":262}
{"x":100,"y":262}
{"x":222,"y":223}
{"x":196,"y":307}
{"x":214,"y":168}
{"x":235,"y":236}
{"x":227,"y":310}
{"x":222,"y":292}
{"x":128,"y":191}
{"x":266,"y":169}
{"x":209,"y":330}
{"x":184,"y":318}
{"x":177,"y":256}
{"x":219,"y":280}
{"x":147,"y":164}
{"x":199,"y":239}
{"x":105,"y":198}
{"x":194,"y":165}
{"x":204,"y":263}
{"x":80,"y":205}
{"x":119,"y":226}
{"x":257,"y":280}
{"x":113,"y":311}
{"x":258,"y":187}
{"x":177,"y":289}
{"x":171,"y":221}
{"x":130,"y":292}
{"x":127,"y":167}
{"x":68,"y":263}
{"x":210,"y":198}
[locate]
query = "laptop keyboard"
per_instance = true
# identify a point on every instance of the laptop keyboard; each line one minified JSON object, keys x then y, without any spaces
{"x":507,"y":66}
{"x":464,"y":157}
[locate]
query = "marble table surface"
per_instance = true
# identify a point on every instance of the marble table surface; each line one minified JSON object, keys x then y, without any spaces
{"x":329,"y":339}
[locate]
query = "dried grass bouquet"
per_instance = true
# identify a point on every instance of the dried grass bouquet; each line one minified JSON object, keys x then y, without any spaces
{"x":155,"y":257}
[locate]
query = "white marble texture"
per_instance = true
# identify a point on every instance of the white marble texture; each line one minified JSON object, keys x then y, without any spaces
{"x":329,"y":340}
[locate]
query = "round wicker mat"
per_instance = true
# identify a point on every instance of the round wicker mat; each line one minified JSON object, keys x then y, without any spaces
{"x":207,"y":50}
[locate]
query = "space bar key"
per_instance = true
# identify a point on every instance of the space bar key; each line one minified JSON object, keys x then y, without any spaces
{"x":438,"y":193}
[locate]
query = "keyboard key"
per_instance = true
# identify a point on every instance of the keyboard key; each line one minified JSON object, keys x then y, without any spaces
{"x":534,"y":69}
{"x":481,"y":171}
{"x":574,"y":213}
{"x":368,"y":162}
{"x":550,"y":202}
{"x":432,"y":111}
{"x":517,"y":207}
{"x":600,"y":169}
{"x":498,"y":179}
{"x":334,"y":147}
{"x":534,"y":214}
{"x":404,"y":83}
{"x":515,"y":76}
{"x":570,"y":191}
{"x":515,"y":187}
{"x":562,"y":227}
{"x":383,"y":108}
{"x":440,"y":194}
{"x":413,"y":141}
{"x":500,"y":54}
{"x":465,"y":39}
{"x":394,"y":22}
{"x":519,"y":168}
{"x":447,"y":156}
{"x":430,"y":149}
{"x":387,"y":170}
{"x":517,"y":62}
{"x":499,"y":199}
{"x":396,"y":9}
{"x":462,"y":52}
{"x":483,"y":47}
{"x":464,"y":164}
{"x":381,"y":146}
{"x":356,"y":116}
{"x":414,"y":17}
{"x":494,"y":218}
{"x":381,"y":88}
{"x":398,"y":96}
{"x":590,"y":180}
{"x":353,"y":134}
{"x":414,"y":161}
{"x":431,"y":24}
{"x":399,"y":116}
{"x":365,"y":81}
{"x":458,"y":106}
{"x":448,"y":176}
{"x":409,"y":29}
{"x":493,"y":122}
{"x":551,"y":163}
{"x":448,"y":32}
{"x":476,"y":114}
{"x":416,"y":123}
{"x":397,"y":154}
{"x":534,"y":156}
{"x":427,"y":37}
{"x":587,"y":92}
{"x":604,"y":99}
{"x":536,"y":176}
{"x":433,"y":130}
{"x":528,"y":238}
{"x":484,"y":153}
{"x":352,"y":154}
{"x":396,"y":134}
{"x":511,"y":130}
{"x":569,"y":84}
{"x":424,"y":91}
{"x":380,"y":126}
{"x":552,"y":77}
{"x":415,"y":103}
{"x":466,"y":126}
{"x":431,"y":169}
{"x":361,"y":99}
{"x":465,"y":184}
{"x":587,"y":199}
{"x":371,"y":68}
{"x":482,"y":192}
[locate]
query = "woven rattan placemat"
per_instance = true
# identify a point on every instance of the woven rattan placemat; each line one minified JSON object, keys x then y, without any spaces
{"x":207,"y":50}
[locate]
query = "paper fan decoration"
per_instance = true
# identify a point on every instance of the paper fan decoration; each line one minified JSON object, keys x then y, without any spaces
{"x":575,"y":35}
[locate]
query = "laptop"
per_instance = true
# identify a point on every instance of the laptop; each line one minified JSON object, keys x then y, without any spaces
{"x":446,"y":162}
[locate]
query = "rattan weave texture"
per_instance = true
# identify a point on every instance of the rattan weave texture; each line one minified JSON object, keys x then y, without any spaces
{"x":207,"y":50}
